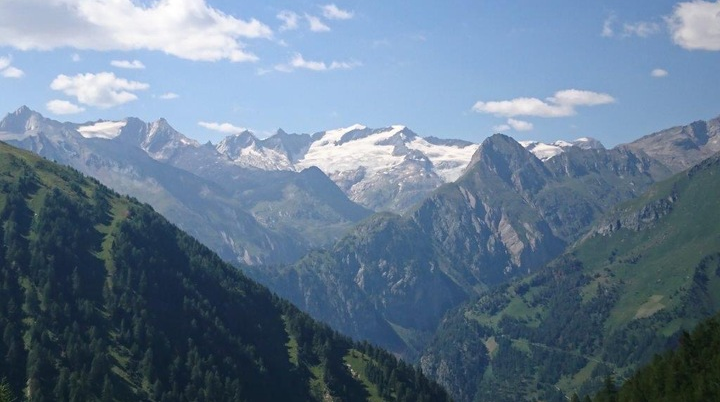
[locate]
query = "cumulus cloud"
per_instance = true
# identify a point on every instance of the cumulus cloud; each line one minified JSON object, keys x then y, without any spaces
{"x":133,"y":65}
{"x":658,"y":73}
{"x":7,"y":70}
{"x":290,"y":20}
{"x":169,"y":95}
{"x":189,"y":29}
{"x":696,"y":25}
{"x":12,"y":72}
{"x":299,"y":62}
{"x":332,"y":12}
{"x":58,"y":106}
{"x":519,"y":125}
{"x":316,"y":25}
{"x":222,"y":127}
{"x":562,"y":104}
{"x":103,"y":90}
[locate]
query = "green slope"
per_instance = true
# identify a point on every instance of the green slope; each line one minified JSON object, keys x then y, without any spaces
{"x":102,"y":299}
{"x":623,"y":293}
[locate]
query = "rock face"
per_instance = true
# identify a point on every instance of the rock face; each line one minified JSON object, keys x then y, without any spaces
{"x":682,"y":147}
{"x":507,"y":215}
{"x":247,"y":215}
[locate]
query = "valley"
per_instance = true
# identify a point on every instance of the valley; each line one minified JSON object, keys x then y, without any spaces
{"x":528,"y":251}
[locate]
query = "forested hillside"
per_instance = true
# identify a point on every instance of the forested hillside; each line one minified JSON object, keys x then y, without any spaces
{"x":102,"y":299}
{"x":689,"y":373}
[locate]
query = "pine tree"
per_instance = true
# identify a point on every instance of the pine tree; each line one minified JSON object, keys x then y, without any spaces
{"x":5,"y":392}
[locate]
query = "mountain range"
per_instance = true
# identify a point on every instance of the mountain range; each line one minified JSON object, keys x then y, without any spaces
{"x":253,"y":201}
{"x":461,"y":227}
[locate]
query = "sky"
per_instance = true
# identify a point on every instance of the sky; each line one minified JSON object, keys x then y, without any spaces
{"x":614,"y":70}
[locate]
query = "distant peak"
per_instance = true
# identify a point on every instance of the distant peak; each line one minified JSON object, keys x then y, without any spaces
{"x":498,"y":137}
{"x":21,"y":120}
{"x":356,"y":127}
{"x":588,"y":143}
{"x":546,"y":151}
{"x":23,"y":110}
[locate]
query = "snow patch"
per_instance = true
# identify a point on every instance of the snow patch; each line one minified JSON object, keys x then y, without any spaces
{"x":545,"y":151}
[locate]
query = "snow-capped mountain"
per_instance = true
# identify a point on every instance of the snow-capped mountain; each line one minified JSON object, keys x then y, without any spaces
{"x":249,"y":216}
{"x":389,"y":168}
{"x":545,"y":151}
{"x":383,"y":169}
{"x":246,"y":150}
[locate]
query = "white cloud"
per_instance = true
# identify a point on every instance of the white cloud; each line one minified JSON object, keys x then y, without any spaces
{"x":658,"y":73}
{"x":523,"y":107}
{"x":101,"y":90}
{"x":332,"y":12}
{"x":519,"y":125}
{"x":289,"y":19}
{"x":344,"y":65}
{"x":222,"y":127}
{"x":642,"y":29}
{"x":575,"y":97}
{"x":12,"y":72}
{"x":133,"y":65}
{"x":608,"y":30}
{"x":169,"y":95}
{"x":57,"y":106}
{"x":299,"y":62}
{"x":315,"y":24}
{"x":9,"y":71}
{"x":189,"y":29}
{"x":562,"y":104}
{"x":501,"y":128}
{"x":696,"y":25}
{"x":75,"y":57}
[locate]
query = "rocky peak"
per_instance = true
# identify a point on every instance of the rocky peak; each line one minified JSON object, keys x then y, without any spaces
{"x":22,"y":120}
{"x":502,"y":156}
{"x":162,"y":140}
{"x":292,"y":145}
{"x":588,"y":143}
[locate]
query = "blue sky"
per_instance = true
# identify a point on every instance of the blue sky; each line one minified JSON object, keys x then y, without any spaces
{"x":544,"y":70}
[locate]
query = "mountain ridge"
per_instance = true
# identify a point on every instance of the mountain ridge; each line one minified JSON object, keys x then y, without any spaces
{"x":644,"y":271}
{"x":195,"y":186}
{"x":104,"y":299}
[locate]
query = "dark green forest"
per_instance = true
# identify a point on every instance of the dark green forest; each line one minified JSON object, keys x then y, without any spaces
{"x":102,"y":299}
{"x":689,"y":373}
